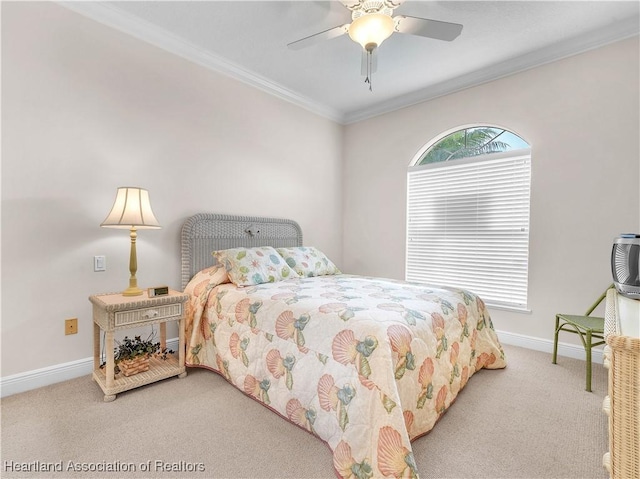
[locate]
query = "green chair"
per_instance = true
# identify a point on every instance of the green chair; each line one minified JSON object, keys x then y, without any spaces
{"x":587,"y":327}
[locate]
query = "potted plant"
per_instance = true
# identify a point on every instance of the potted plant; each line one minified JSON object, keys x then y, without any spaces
{"x":132,"y":355}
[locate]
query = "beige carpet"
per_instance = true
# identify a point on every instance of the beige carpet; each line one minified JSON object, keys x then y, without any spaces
{"x":531,"y":420}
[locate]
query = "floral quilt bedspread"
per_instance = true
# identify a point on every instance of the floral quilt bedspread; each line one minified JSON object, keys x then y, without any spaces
{"x":366,"y":364}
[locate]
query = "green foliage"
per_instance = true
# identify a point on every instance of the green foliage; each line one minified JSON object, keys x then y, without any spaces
{"x":136,"y":347}
{"x":466,"y":143}
{"x":132,"y":348}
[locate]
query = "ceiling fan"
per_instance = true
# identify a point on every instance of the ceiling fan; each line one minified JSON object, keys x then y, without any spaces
{"x":372,"y":23}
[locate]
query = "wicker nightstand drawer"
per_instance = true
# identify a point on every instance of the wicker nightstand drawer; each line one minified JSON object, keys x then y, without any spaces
{"x":149,"y":314}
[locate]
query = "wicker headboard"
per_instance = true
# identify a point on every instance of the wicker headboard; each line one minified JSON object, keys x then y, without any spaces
{"x":204,"y":233}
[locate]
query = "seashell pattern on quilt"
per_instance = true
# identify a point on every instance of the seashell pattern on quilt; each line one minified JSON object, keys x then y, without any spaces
{"x":366,"y":364}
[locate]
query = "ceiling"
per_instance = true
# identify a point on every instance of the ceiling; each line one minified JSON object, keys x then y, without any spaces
{"x":248,"y":41}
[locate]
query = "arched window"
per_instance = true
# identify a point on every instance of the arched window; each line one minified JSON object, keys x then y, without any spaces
{"x":468,"y":214}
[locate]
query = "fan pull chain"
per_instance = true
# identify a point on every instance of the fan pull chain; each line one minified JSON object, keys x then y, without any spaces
{"x":369,"y":77}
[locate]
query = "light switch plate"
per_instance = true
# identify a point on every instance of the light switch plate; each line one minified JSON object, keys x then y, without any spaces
{"x":99,"y":263}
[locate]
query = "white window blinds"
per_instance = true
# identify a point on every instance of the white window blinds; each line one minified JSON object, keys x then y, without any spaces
{"x":468,"y":226}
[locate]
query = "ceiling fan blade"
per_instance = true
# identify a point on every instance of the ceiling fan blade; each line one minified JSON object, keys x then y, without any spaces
{"x":424,"y":27}
{"x":364,"y":71}
{"x":319,"y":37}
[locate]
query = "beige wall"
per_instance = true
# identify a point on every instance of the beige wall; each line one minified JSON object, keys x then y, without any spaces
{"x":86,"y":109}
{"x":581,"y":116}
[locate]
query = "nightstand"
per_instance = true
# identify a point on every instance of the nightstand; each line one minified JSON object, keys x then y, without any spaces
{"x":113,"y":312}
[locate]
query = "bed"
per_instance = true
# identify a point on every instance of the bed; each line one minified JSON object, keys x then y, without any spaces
{"x":365,"y":364}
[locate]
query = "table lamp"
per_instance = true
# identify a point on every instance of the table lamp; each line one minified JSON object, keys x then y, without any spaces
{"x":131,"y":210}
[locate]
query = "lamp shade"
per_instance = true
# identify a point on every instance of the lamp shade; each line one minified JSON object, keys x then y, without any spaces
{"x":371,"y":30}
{"x":131,"y":209}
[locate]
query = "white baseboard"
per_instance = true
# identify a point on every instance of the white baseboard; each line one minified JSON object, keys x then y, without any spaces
{"x":574,"y":351}
{"x":63,"y":372}
{"x":38,"y":378}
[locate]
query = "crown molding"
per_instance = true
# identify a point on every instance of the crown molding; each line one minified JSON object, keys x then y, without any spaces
{"x":159,"y":37}
{"x":615,"y":32}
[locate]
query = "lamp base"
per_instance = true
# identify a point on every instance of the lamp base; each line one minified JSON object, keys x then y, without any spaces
{"x":132,"y":291}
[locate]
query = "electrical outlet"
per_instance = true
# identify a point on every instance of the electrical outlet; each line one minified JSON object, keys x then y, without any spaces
{"x":71,"y":326}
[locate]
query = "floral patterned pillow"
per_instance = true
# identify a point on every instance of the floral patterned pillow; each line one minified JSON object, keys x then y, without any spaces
{"x":308,"y":261}
{"x":251,"y":266}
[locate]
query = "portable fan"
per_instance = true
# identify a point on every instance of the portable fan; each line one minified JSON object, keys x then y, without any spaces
{"x":625,"y":265}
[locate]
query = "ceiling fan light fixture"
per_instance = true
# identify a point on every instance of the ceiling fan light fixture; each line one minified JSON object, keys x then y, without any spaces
{"x":371,"y":30}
